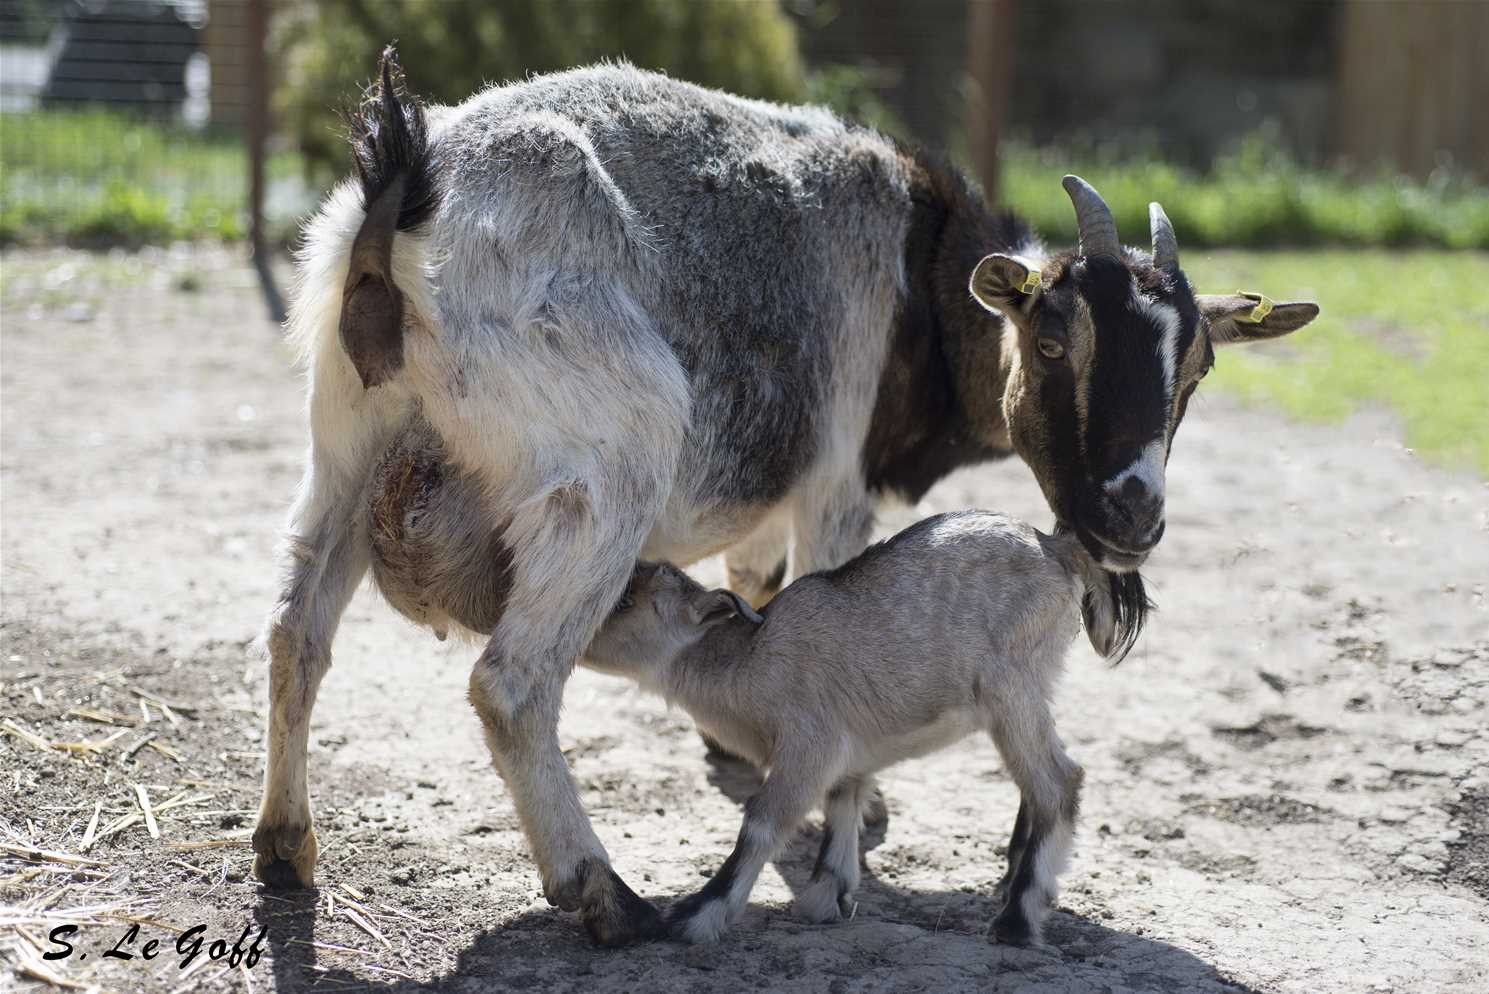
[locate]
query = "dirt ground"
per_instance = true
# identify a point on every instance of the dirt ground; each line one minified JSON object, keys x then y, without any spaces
{"x":1287,"y":786}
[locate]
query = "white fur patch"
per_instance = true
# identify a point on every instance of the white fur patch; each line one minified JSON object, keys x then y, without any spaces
{"x":709,"y":923}
{"x":1050,"y":861}
{"x":1168,"y":343}
{"x":1148,"y":468}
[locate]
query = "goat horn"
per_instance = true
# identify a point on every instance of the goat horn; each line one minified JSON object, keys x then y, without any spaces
{"x":1165,"y":245}
{"x":1098,"y":232}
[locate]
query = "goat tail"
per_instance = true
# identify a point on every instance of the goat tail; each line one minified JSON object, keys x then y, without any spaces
{"x":1114,"y":606}
{"x":389,"y":136}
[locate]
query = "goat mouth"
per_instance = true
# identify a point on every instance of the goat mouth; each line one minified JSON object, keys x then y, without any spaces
{"x":1113,"y":555}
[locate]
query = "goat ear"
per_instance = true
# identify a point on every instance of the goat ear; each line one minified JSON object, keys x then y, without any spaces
{"x":1001,"y":282}
{"x":1250,"y":317}
{"x":710,"y":607}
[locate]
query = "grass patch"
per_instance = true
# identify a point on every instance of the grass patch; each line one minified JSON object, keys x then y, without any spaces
{"x":95,"y":177}
{"x":1408,"y":330}
{"x":98,"y":178}
{"x":1256,"y":197}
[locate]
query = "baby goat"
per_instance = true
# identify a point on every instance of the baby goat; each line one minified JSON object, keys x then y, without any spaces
{"x":958,"y":624}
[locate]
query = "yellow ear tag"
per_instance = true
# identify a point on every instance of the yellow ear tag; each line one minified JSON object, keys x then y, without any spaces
{"x":1031,"y":282}
{"x":1260,"y":311}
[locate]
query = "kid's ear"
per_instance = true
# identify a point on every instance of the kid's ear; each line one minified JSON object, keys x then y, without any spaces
{"x":1251,"y":317}
{"x":1002,"y":282}
{"x":709,"y":607}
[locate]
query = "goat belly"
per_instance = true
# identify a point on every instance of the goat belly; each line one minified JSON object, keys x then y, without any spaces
{"x":945,"y":729}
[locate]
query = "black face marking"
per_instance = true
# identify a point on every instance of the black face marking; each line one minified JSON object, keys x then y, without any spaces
{"x":1128,"y":398}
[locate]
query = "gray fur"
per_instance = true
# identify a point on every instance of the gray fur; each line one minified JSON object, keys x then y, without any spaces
{"x":763,"y":242}
{"x":959,"y":624}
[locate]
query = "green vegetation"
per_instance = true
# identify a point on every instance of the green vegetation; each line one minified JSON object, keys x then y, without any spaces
{"x":1258,"y":196}
{"x":328,"y":49}
{"x":94,"y":177}
{"x":1406,"y":330}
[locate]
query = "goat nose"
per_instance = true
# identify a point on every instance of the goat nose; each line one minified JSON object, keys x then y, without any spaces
{"x":1140,"y":504}
{"x":1134,"y":492}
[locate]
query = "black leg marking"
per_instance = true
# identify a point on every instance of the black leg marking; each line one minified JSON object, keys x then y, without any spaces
{"x":717,"y":888}
{"x":821,"y":865}
{"x":1012,"y":926}
{"x":1017,"y":842}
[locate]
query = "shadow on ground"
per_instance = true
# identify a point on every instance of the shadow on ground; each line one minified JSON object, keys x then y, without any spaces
{"x":767,"y":950}
{"x":915,"y":940}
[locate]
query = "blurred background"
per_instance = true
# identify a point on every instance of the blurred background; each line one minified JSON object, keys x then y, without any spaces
{"x":1344,"y":142}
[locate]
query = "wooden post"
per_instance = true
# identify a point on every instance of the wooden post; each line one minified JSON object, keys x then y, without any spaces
{"x":1410,"y":85}
{"x":258,"y":145}
{"x":258,"y":118}
{"x":990,"y":66}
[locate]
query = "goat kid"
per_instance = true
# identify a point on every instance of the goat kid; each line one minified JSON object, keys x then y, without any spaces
{"x":956,"y":625}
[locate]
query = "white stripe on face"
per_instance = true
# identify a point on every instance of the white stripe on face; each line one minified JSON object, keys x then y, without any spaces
{"x":1168,"y":343}
{"x":1147,"y":467}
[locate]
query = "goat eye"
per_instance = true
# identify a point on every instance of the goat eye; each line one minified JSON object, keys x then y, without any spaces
{"x":1051,"y":349}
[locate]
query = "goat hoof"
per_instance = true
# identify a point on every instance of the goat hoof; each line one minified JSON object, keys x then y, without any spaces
{"x":1011,"y":928}
{"x":698,"y":919}
{"x":613,"y":914}
{"x":875,"y":811}
{"x":284,"y":856}
{"x":565,"y":894}
{"x":821,"y":903}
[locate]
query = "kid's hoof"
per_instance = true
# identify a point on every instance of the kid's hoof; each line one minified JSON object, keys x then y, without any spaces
{"x":824,"y":901}
{"x":698,"y":919}
{"x":613,"y":914}
{"x":284,"y":856}
{"x":875,"y":811}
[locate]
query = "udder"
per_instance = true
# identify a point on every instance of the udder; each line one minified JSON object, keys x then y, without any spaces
{"x":435,"y":556}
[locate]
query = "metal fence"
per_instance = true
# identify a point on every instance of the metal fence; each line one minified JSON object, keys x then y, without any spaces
{"x":137,"y":111}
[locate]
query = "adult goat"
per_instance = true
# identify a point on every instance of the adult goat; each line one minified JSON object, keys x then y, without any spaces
{"x":644,"y":318}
